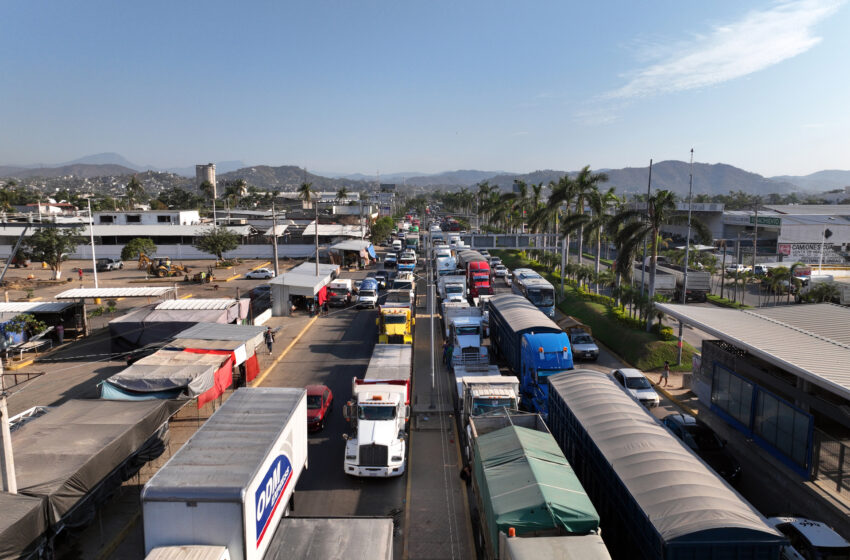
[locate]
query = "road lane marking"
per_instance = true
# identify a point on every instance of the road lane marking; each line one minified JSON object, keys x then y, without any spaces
{"x":282,"y":354}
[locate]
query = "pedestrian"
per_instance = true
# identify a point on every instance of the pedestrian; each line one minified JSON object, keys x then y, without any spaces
{"x":445,"y":350}
{"x":80,"y":273}
{"x":449,"y":351}
{"x":466,"y":474}
{"x":60,"y":333}
{"x":269,"y":337}
{"x":325,"y":308}
{"x":665,"y":373}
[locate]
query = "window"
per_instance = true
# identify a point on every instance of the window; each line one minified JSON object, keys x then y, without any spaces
{"x":163,"y":219}
{"x":732,"y":394}
{"x":134,"y":218}
{"x":783,"y":426}
{"x":107,"y":219}
{"x":314,"y":402}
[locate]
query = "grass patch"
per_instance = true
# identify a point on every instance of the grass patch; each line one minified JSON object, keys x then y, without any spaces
{"x":606,"y":262}
{"x":723,"y":302}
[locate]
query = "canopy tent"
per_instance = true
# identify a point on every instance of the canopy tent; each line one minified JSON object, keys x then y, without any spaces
{"x":77,"y":453}
{"x":297,"y":284}
{"x":242,"y":340}
{"x":364,"y":249}
{"x":23,"y":522}
{"x":332,"y":230}
{"x":325,"y":269}
{"x":527,"y":483}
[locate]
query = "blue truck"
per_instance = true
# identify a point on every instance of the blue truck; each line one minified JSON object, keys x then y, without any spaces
{"x":531,"y":344}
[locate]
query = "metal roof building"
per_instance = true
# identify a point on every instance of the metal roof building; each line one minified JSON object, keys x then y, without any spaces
{"x":197,"y":303}
{"x":142,"y":291}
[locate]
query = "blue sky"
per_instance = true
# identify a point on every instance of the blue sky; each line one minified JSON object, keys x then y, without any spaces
{"x":389,"y":86}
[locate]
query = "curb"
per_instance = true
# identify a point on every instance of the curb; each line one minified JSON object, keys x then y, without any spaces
{"x":261,"y":265}
{"x":20,"y":365}
{"x":187,"y":296}
{"x":675,"y":401}
{"x":107,"y":550}
{"x":262,"y":377}
{"x":234,"y":277}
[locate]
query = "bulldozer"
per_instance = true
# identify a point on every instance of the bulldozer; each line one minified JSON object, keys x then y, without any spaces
{"x":161,"y":268}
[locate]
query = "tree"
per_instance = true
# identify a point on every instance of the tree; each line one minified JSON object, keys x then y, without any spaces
{"x":52,"y":246}
{"x":381,"y":229}
{"x":136,"y":247}
{"x":135,"y":192}
{"x":305,"y":192}
{"x":217,"y":241}
{"x":585,"y":184}
{"x":26,"y":324}
{"x":342,"y":195}
{"x":179,"y":199}
{"x":594,"y":224}
{"x":207,"y":189}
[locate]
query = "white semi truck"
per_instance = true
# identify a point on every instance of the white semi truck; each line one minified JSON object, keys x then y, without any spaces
{"x":232,"y":482}
{"x":378,"y":413}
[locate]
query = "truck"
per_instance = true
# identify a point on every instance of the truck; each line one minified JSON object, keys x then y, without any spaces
{"x":525,"y":489}
{"x":397,"y":298}
{"x":478,"y":278}
{"x":407,"y":261}
{"x":452,"y":288}
{"x":367,"y":295}
{"x":339,"y":292}
{"x":466,"y":336}
{"x":531,"y":345}
{"x":411,"y":242}
{"x":665,"y":284}
{"x":395,"y":325}
{"x":591,"y":419}
{"x":234,"y":480}
{"x":445,"y":266}
{"x":378,"y":412}
{"x":699,"y":282}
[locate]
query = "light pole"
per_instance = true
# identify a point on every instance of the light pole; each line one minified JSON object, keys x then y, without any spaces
{"x":687,"y":258}
{"x":91,"y":234}
{"x":825,"y":234}
{"x":274,"y":241}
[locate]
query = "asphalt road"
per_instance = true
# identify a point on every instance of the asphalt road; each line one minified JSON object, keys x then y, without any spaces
{"x":336,"y":349}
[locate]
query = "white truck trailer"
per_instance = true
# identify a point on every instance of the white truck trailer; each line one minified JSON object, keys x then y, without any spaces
{"x":378,"y":413}
{"x":231,"y":483}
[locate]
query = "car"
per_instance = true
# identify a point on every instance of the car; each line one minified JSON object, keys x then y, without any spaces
{"x":260,"y":273}
{"x":509,"y":278}
{"x":106,"y":263}
{"x":320,"y":402}
{"x":381,"y":277}
{"x":737,"y":268}
{"x":485,"y":253}
{"x":810,"y":540}
{"x":583,"y":347}
{"x":500,"y":270}
{"x":706,"y":444}
{"x":494,"y":261}
{"x":390,"y":260}
{"x":368,"y":294}
{"x":637,"y":385}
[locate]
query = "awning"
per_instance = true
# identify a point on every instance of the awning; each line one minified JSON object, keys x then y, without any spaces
{"x":351,"y":245}
{"x":142,"y":291}
{"x":278,"y":230}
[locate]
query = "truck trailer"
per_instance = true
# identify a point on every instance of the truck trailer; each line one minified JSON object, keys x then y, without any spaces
{"x":699,"y":282}
{"x":665,"y":284}
{"x":657,"y":500}
{"x":378,"y":412}
{"x":232,"y":482}
{"x":531,"y":344}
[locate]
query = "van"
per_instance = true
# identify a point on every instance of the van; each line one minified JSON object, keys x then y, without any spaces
{"x":397,"y":245}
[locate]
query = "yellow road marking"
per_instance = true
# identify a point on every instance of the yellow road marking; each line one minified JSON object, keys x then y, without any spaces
{"x":234,"y":277}
{"x":282,"y":354}
{"x":262,"y":265}
{"x":187,"y":296}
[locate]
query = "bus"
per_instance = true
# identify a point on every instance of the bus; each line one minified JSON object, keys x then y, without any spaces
{"x":536,"y":289}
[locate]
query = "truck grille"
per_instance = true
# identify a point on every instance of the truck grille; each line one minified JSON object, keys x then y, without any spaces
{"x":373,"y":455}
{"x":470,"y":352}
{"x":396,"y":339}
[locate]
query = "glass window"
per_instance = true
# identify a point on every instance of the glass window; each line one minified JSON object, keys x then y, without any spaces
{"x":163,"y":219}
{"x":314,"y":402}
{"x":783,"y":426}
{"x":134,"y":219}
{"x":376,"y":413}
{"x":107,"y":219}
{"x":395,"y":319}
{"x":637,"y":383}
{"x":732,"y":394}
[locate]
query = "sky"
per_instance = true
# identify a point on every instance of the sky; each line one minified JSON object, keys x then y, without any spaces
{"x":388,"y":86}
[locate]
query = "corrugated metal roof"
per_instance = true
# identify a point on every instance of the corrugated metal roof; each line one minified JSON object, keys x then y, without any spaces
{"x":199,"y":303}
{"x":677,"y":492}
{"x":821,"y":209}
{"x":35,"y":306}
{"x":338,"y":230}
{"x":351,"y":245}
{"x":807,"y":340}
{"x":152,"y":230}
{"x":390,"y":361}
{"x":278,"y":229}
{"x":142,"y":291}
{"x":521,"y":314}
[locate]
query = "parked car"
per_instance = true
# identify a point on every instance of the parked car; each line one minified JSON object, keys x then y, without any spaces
{"x":106,"y":263}
{"x":319,"y":405}
{"x":500,"y":270}
{"x":637,"y":385}
{"x":583,"y":347}
{"x":737,"y":268}
{"x":810,"y":540}
{"x":706,"y":444}
{"x":260,"y":273}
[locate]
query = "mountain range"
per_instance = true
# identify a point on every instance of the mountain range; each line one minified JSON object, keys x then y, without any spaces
{"x":710,"y":179}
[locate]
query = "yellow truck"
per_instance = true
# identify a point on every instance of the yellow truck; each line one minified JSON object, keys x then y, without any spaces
{"x":395,"y":325}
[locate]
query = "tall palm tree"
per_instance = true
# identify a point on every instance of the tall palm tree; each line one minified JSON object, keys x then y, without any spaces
{"x":560,"y":194}
{"x":305,"y":191}
{"x":342,"y":195}
{"x":135,"y":192}
{"x":637,"y":225}
{"x":595,"y":223}
{"x":585,"y":183}
{"x":519,"y":199}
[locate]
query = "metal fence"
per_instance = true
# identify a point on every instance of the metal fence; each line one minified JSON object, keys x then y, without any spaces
{"x":832,"y":463}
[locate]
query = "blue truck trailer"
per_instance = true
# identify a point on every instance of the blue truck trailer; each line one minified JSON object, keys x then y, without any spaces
{"x":656,"y":499}
{"x":531,"y":344}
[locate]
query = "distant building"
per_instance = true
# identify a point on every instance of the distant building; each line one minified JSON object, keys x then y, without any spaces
{"x":205,"y":172}
{"x":150,"y":218}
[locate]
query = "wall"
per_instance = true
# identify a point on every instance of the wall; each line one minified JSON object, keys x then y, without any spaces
{"x":188,"y":252}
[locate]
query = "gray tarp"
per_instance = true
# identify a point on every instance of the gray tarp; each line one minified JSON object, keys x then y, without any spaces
{"x":343,"y":538}
{"x":216,"y":331}
{"x":23,"y":522}
{"x":146,"y":325}
{"x":64,"y":454}
{"x":147,"y":378}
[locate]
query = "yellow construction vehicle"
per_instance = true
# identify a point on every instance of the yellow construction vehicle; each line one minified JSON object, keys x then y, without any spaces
{"x":161,"y":268}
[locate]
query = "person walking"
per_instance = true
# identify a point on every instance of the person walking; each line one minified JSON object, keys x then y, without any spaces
{"x":665,"y":374}
{"x":60,"y":333}
{"x":445,"y":350}
{"x":325,"y":308}
{"x":80,"y":273}
{"x":269,"y":338}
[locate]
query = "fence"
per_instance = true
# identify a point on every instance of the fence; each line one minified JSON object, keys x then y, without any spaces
{"x":832,"y":463}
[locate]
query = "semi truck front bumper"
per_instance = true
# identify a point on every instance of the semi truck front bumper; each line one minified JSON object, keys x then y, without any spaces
{"x":374,"y":472}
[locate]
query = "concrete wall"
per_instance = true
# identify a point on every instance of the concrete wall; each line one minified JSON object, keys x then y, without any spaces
{"x":188,"y":252}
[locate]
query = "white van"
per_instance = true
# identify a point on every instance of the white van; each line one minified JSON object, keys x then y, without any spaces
{"x":397,"y":245}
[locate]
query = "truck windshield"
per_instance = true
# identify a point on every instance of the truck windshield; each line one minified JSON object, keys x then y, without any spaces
{"x":481,"y":278}
{"x":367,"y":293}
{"x":377,"y":412}
{"x":467,"y":329}
{"x":395,"y":319}
{"x":454,"y":289}
{"x":483,"y":406}
{"x":406,"y":260}
{"x":403,"y":285}
{"x":544,"y":298}
{"x":337,"y":292}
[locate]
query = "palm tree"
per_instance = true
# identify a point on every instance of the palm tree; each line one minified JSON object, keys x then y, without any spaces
{"x":207,"y":189}
{"x":135,"y":192}
{"x":635,"y":226}
{"x":305,"y":192}
{"x":560,"y":194}
{"x":585,"y":183}
{"x":342,"y":194}
{"x":595,"y":223}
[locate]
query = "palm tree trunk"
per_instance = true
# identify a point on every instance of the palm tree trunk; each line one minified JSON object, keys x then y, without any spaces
{"x":654,"y":253}
{"x":598,"y":255}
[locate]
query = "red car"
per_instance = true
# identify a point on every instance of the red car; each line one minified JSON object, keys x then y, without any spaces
{"x":319,"y":404}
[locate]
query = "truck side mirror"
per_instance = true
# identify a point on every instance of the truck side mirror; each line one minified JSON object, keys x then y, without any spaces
{"x":407,"y":411}
{"x":347,"y":411}
{"x":413,"y":321}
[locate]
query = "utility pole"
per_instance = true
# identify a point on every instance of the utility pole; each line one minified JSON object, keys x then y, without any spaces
{"x":91,"y":234}
{"x":7,"y":458}
{"x":274,"y":241}
{"x":755,"y":233}
{"x":643,"y":261}
{"x":317,"y":236}
{"x":687,"y":257}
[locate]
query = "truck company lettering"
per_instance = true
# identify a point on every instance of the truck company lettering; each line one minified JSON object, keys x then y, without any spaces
{"x":268,"y":494}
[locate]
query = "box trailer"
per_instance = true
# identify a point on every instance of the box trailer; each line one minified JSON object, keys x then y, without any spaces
{"x":231,"y":483}
{"x":333,"y":538}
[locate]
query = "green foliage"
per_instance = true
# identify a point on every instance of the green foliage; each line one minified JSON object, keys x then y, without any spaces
{"x":135,"y":192}
{"x":176,"y":198}
{"x":217,"y":241}
{"x":381,"y":229}
{"x":135,"y":247}
{"x":52,"y":245}
{"x":26,"y":323}
{"x":723,"y":302}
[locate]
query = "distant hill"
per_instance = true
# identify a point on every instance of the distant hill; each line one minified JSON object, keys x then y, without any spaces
{"x":462,"y":177}
{"x":288,"y":178}
{"x":111,"y":158}
{"x":106,"y":158}
{"x":79,"y":170}
{"x":820,"y":181}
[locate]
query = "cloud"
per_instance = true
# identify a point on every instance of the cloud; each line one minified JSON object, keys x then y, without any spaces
{"x":758,"y":40}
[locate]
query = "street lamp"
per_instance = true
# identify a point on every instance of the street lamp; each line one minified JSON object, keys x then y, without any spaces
{"x":825,"y":234}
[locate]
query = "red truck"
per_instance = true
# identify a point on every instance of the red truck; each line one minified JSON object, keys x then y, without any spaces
{"x":477,"y":273}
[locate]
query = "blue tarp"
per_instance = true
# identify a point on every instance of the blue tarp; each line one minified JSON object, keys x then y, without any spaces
{"x":371,"y":250}
{"x":110,"y":392}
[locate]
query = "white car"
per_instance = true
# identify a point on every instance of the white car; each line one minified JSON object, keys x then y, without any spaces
{"x":810,"y":539}
{"x":737,"y":268}
{"x":500,"y":271}
{"x":637,"y":385}
{"x":260,"y":273}
{"x":509,"y":278}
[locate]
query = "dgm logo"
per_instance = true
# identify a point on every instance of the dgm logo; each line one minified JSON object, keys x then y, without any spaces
{"x":269,"y":493}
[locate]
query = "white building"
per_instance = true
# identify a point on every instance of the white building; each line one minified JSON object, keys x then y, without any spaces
{"x":148,"y":218}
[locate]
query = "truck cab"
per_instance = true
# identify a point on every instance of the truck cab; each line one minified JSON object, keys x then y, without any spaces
{"x":378,"y":413}
{"x":543,"y":355}
{"x":339,"y":292}
{"x":367,"y":296}
{"x":466,"y":334}
{"x":478,"y":278}
{"x":395,"y":325}
{"x":407,"y":261}
{"x":446,"y":266}
{"x":397,"y":245}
